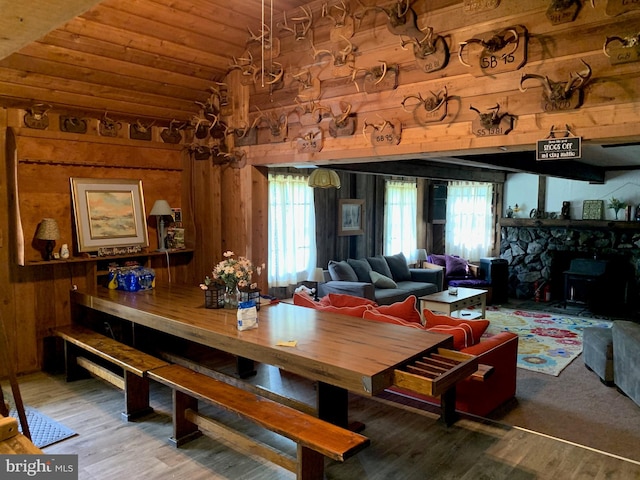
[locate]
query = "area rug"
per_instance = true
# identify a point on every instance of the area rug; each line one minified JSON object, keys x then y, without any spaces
{"x":44,"y":430}
{"x":548,"y":342}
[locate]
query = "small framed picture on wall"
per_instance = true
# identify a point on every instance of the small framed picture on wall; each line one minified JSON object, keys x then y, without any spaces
{"x":350,"y":217}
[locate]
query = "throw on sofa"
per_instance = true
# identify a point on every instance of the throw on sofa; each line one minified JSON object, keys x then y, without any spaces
{"x":383,"y":279}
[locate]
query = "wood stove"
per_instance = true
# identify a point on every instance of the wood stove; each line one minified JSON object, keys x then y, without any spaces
{"x":585,"y":281}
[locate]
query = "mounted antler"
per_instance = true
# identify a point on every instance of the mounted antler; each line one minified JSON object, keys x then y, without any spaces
{"x":341,"y":57}
{"x":431,"y":110}
{"x":495,"y":44}
{"x":560,"y":95}
{"x":245,"y":65}
{"x":401,"y":19}
{"x":342,"y":124}
{"x":490,"y":119}
{"x":301,"y":25}
{"x":625,"y":42}
{"x":387,"y":133}
{"x":277,"y":123}
{"x":341,"y":19}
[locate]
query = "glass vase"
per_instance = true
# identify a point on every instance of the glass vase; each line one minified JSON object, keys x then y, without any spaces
{"x":231,"y":296}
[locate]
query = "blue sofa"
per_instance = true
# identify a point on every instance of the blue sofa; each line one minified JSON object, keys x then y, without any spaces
{"x":391,"y":281}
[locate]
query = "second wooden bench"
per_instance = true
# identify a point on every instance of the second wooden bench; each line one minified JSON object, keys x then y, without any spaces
{"x":315,"y":438}
{"x":133,"y":363}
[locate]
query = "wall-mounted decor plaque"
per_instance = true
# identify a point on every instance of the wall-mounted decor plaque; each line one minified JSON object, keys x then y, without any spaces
{"x":592,"y":209}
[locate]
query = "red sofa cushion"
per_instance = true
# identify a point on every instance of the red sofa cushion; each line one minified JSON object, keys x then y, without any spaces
{"x":356,"y":311}
{"x":372,"y":314}
{"x":344,"y":300}
{"x":461,"y":334}
{"x":304,"y":300}
{"x":475,"y":327}
{"x":405,"y":310}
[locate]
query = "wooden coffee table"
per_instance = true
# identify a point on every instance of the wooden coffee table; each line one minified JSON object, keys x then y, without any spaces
{"x":443,"y":302}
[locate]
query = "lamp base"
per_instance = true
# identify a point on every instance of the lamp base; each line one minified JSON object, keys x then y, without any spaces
{"x":48,"y":250}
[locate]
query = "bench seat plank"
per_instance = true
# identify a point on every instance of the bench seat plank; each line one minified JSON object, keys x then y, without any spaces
{"x":120,"y":354}
{"x":330,"y":440}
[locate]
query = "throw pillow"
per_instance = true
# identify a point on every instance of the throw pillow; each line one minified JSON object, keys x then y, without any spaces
{"x":398,"y":266}
{"x":351,"y":311}
{"x":380,"y":317}
{"x":456,"y":266}
{"x":382,"y":281}
{"x":304,"y":300}
{"x":344,"y":300}
{"x":362,"y":269}
{"x":437,"y":259}
{"x":475,"y":327}
{"x":405,"y":310}
{"x":379,"y":264}
{"x":460,"y":335}
{"x":342,"y":271}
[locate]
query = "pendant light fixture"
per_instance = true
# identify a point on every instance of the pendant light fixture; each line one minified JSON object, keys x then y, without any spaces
{"x":324,"y":178}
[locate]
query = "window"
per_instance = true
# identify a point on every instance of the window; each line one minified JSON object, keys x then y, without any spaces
{"x":292,"y":230}
{"x":400,"y":204}
{"x":468,"y":230}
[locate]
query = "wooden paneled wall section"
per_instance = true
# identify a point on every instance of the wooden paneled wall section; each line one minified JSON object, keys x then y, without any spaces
{"x":225,"y":208}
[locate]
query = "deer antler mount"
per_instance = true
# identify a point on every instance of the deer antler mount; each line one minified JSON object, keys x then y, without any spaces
{"x":427,"y":110}
{"x":431,"y":51}
{"x":344,"y":124}
{"x":622,"y":49}
{"x":310,"y":142}
{"x":475,"y":6}
{"x":561,"y":96}
{"x":494,"y":53}
{"x":36,"y":117}
{"x":491,"y":123}
{"x":343,"y":22}
{"x":385,"y":134}
{"x":563,"y":11}
{"x":618,"y":7}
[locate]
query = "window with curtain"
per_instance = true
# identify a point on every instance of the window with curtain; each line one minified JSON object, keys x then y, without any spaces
{"x":468,"y":230}
{"x":400,"y":206}
{"x":292,"y":230}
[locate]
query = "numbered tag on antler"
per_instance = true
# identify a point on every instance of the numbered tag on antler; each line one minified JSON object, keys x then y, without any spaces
{"x":622,"y":49}
{"x":386,"y":134}
{"x":477,"y":6}
{"x":310,"y":142}
{"x":493,"y":53}
{"x":491,"y":123}
{"x":345,"y":128}
{"x":381,"y":78}
{"x":563,"y":11}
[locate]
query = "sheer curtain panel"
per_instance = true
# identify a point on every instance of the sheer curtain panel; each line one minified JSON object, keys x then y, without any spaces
{"x":292,"y":230}
{"x":400,"y":207}
{"x":468,"y":230}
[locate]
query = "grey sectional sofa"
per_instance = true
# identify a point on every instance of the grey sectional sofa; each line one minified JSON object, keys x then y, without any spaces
{"x":391,"y":281}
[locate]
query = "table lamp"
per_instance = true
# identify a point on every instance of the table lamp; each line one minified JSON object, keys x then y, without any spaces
{"x":421,"y":256}
{"x":161,"y":209}
{"x":49,"y":232}
{"x":316,"y":277}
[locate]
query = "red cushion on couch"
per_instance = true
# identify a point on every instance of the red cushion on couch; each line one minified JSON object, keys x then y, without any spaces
{"x":476,"y":327}
{"x":461,"y":334}
{"x":356,"y":311}
{"x":304,"y":300}
{"x":372,"y":314}
{"x":405,"y":310}
{"x":344,"y":300}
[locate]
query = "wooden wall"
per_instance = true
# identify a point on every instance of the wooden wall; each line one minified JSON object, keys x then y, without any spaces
{"x":609,"y":111}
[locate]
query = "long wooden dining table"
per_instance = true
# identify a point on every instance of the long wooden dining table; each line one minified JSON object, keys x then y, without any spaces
{"x":342,"y":353}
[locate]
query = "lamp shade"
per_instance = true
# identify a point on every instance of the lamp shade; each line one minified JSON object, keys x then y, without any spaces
{"x":317,"y":275}
{"x":48,"y":230}
{"x":421,"y":255}
{"x":161,"y":207}
{"x":324,"y":178}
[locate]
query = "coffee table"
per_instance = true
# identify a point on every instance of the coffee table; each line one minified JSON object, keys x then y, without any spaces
{"x":444,"y":302}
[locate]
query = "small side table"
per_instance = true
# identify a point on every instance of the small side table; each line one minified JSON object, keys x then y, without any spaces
{"x":443,"y":302}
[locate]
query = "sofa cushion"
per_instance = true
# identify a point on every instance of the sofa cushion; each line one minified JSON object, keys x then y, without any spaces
{"x":357,"y":311}
{"x":372,"y":314}
{"x":406,"y":310}
{"x":342,"y":271}
{"x":461,"y":334}
{"x":456,"y":266}
{"x":475,"y":327}
{"x":362,"y":269}
{"x":304,"y":300}
{"x":437,"y":259}
{"x":381,"y":281}
{"x":398,"y":266}
{"x":379,"y":264}
{"x":344,"y":300}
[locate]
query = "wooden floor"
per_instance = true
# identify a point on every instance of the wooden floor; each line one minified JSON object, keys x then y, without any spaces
{"x":405,"y":443}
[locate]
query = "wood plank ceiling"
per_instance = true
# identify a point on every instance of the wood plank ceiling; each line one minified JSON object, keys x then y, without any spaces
{"x":131,"y":58}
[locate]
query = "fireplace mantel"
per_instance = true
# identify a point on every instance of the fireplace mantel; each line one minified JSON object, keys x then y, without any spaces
{"x":561,"y":223}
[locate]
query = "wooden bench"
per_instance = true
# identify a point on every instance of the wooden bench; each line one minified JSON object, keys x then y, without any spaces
{"x":12,"y":442}
{"x":134,"y":365}
{"x":315,"y":438}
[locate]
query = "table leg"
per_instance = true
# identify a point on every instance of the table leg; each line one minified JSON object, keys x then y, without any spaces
{"x":483,"y":304}
{"x":245,"y":367}
{"x":448,"y":406}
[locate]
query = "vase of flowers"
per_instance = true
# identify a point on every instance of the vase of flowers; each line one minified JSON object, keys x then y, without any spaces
{"x":234,"y":272}
{"x":616,"y":205}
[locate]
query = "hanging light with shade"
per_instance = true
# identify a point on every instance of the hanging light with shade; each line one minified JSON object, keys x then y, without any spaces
{"x":324,"y":178}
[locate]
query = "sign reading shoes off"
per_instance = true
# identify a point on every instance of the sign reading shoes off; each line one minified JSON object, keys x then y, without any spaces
{"x":567,"y":148}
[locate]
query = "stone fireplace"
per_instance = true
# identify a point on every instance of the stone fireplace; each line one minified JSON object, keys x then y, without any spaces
{"x":539,"y":252}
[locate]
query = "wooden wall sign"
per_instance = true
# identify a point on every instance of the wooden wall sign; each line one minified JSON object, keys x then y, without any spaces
{"x":72,"y":124}
{"x":310,"y":142}
{"x":387,"y":134}
{"x":476,"y":6}
{"x":493,"y":53}
{"x":35,"y":118}
{"x":563,"y":11}
{"x":622,"y":49}
{"x":618,"y":7}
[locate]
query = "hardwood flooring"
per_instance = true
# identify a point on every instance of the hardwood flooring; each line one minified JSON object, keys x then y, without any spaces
{"x":406,"y":443}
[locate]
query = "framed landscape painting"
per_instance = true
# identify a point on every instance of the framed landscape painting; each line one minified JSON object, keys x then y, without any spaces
{"x":350,"y":217}
{"x":108,"y":213}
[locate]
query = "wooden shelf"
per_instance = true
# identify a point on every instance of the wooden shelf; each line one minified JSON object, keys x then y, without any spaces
{"x":560,"y":223}
{"x":107,"y":258}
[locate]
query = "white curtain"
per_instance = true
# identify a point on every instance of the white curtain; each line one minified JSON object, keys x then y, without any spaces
{"x":468,"y":230}
{"x":400,"y":206}
{"x":292,"y":230}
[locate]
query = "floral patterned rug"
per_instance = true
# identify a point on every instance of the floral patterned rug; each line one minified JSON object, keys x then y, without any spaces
{"x":548,"y":341}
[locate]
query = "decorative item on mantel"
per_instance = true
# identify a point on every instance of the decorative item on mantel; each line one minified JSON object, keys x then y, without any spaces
{"x":48,"y":232}
{"x":616,"y":205}
{"x":234,"y":273}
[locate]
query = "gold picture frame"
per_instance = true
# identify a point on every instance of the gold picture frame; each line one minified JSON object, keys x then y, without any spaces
{"x":108,"y":213}
{"x":592,"y":209}
{"x":350,"y":217}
